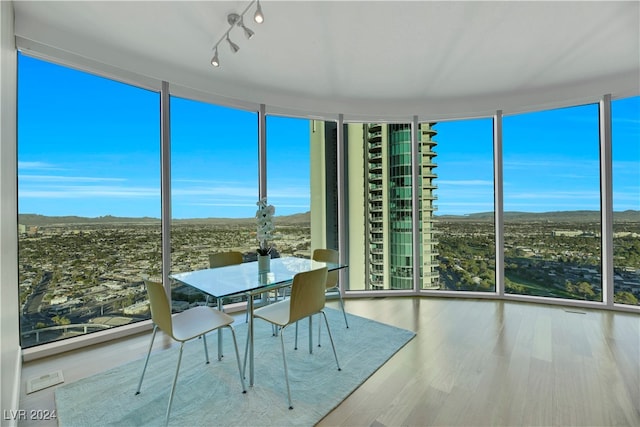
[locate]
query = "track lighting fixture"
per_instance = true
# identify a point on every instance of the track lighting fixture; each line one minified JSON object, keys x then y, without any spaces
{"x":214,"y":60}
{"x":235,"y":19}
{"x":247,"y":31}
{"x":234,"y":47}
{"x":258,"y":17}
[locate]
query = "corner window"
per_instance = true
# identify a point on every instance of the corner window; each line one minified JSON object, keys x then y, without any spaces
{"x":552,"y":204}
{"x":626,"y":200}
{"x":88,"y":201}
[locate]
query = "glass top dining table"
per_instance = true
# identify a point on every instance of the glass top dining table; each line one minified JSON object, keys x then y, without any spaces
{"x":245,"y":279}
{"x":238,"y":279}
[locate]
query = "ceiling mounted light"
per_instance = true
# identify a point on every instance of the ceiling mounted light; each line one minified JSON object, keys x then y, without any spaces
{"x":247,"y":31}
{"x":235,"y":19}
{"x":258,"y":17}
{"x":214,"y":60}
{"x":234,"y":47}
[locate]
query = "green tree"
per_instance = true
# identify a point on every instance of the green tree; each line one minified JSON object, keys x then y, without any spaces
{"x":570,"y":287}
{"x":625,"y":298}
{"x":61,"y":320}
{"x":584,"y":289}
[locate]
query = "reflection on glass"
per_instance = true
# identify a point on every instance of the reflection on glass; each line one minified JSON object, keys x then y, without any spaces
{"x":88,"y":201}
{"x":626,"y":199}
{"x":465,"y":220}
{"x":400,"y":208}
{"x":380,"y":191}
{"x":552,"y":204}
{"x":288,"y":184}
{"x":214,"y":175}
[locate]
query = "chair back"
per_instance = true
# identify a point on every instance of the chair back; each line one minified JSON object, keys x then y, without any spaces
{"x":160,"y":308}
{"x":225,"y":258}
{"x":307,"y":294}
{"x":328,"y":255}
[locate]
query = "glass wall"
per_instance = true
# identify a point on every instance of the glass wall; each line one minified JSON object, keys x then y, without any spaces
{"x":626,"y":199}
{"x":380,"y":205}
{"x":88,"y":201}
{"x":552,"y":203}
{"x":288,"y":184}
{"x":214,"y":176}
{"x":400,"y":206}
{"x":464,"y":248}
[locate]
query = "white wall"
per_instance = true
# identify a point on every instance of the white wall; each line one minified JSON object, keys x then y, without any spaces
{"x":10,"y":354}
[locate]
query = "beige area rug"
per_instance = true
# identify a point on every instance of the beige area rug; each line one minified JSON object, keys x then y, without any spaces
{"x":211,"y":395}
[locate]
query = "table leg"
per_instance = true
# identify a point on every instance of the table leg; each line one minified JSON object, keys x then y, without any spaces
{"x":250,"y":308}
{"x":220,"y":332}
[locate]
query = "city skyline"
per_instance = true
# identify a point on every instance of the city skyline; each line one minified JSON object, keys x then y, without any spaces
{"x":88,"y":146}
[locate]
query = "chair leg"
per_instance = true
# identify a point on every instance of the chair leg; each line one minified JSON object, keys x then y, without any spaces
{"x":246,"y":311}
{"x":246,"y":348}
{"x":246,"y":353}
{"x":146,"y":361}
{"x":173,"y":387}
{"x":295,"y":346}
{"x":286,"y":374}
{"x":331,"y":339}
{"x":206,"y":351}
{"x":240,"y":369}
{"x":344,"y":313}
{"x":311,"y":334}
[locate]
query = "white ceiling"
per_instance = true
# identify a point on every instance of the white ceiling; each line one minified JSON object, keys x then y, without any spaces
{"x":368,"y":60}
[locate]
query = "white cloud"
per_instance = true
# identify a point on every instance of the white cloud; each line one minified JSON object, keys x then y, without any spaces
{"x":468,"y":182}
{"x":89,"y":191}
{"x":236,"y":191}
{"x":37,"y":166}
{"x":558,"y":195}
{"x":58,"y":178}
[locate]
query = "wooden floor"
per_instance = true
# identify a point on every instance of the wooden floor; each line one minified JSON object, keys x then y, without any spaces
{"x":472,"y":363}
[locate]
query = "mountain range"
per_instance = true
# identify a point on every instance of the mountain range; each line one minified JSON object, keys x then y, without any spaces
{"x":305,"y":218}
{"x":43,"y":220}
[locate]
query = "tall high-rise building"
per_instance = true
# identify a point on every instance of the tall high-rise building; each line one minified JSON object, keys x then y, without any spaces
{"x":379,"y":202}
{"x":430,"y":274}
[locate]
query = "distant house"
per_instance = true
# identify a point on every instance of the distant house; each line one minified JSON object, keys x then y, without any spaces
{"x":137,"y":308}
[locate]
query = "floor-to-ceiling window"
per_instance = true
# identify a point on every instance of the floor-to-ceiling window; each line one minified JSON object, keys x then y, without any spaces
{"x":464,"y":238}
{"x":379,"y":157}
{"x":375,"y":145}
{"x":552,"y":203}
{"x":214,"y":175}
{"x":400,"y":185}
{"x":626,"y":199}
{"x":288,"y":184}
{"x":88,"y":201}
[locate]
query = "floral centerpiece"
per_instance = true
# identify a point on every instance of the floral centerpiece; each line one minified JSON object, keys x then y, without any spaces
{"x":265,"y":228}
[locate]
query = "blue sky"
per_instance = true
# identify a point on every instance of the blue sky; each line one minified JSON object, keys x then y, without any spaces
{"x":88,"y":146}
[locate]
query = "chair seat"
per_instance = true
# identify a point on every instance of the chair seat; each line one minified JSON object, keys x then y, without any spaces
{"x":277,"y":313}
{"x":198,"y":320}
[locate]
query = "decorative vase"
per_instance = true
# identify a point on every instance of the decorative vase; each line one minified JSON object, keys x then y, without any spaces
{"x":264,"y":263}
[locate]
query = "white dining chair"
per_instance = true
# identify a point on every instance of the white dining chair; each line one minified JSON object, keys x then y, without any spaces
{"x":307,"y":298}
{"x":182,"y":327}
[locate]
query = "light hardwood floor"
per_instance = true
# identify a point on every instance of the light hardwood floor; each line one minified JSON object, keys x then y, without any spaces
{"x":472,"y":363}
